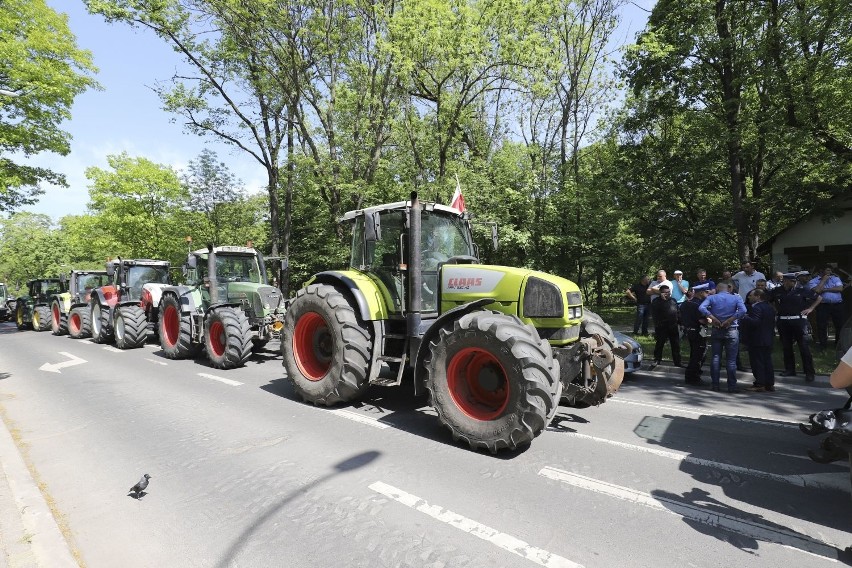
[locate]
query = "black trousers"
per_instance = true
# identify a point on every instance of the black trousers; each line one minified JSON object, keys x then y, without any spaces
{"x":697,"y":353}
{"x":670,"y":333}
{"x":824,"y":312}
{"x":761,"y":365}
{"x":793,"y":331}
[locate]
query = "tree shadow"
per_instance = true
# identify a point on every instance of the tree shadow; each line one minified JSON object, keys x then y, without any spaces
{"x":5,"y":376}
{"x":355,"y":462}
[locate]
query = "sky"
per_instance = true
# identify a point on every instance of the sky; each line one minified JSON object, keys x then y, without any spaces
{"x":127,"y":116}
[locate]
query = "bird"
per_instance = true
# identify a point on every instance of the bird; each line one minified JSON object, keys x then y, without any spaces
{"x":139,"y":488}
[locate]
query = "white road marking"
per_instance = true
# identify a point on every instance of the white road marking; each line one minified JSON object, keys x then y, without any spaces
{"x":152,"y":345}
{"x":113,"y":349}
{"x":220,"y":379}
{"x":501,"y":540}
{"x":54,"y":367}
{"x":374,"y":422}
{"x":746,"y":527}
{"x":837,"y":482}
{"x":155,"y":361}
{"x":737,"y":417}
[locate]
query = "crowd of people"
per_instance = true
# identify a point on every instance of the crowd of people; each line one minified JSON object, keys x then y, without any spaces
{"x":741,"y":311}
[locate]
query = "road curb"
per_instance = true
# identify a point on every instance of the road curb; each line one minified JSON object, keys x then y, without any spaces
{"x":38,"y":526}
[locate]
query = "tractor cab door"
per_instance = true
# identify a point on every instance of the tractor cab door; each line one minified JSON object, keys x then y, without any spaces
{"x":377,"y":249}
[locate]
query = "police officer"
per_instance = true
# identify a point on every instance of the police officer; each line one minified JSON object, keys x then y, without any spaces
{"x":665,"y":312}
{"x":829,"y":287}
{"x":793,"y":305}
{"x":693,"y":321}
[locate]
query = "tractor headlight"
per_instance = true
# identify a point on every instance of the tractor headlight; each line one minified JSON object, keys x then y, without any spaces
{"x":575,"y":305}
{"x":542,"y":299}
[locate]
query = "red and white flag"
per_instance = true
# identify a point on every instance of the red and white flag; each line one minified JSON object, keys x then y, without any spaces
{"x":458,"y":199}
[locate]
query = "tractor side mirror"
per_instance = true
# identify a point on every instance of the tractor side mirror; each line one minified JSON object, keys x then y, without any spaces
{"x":191,"y":261}
{"x":110,"y":269}
{"x":495,"y":240}
{"x":63,"y":278}
{"x":372,"y":227}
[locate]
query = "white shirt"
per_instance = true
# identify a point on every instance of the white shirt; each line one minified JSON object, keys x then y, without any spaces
{"x":847,"y":358}
{"x":745,"y":283}
{"x":655,"y":285}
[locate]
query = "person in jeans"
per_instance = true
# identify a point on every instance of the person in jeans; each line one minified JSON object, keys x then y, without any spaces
{"x":639,"y":293}
{"x":829,"y":287}
{"x":724,"y":311}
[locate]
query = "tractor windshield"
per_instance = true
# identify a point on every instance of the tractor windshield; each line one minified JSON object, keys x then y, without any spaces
{"x":443,"y":236}
{"x":234,"y":268}
{"x":88,"y":282}
{"x":138,"y":276}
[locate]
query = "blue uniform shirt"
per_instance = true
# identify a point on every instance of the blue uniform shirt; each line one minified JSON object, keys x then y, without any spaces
{"x":723,"y":306}
{"x":832,"y":282}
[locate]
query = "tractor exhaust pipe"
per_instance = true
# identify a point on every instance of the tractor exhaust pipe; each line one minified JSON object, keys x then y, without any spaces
{"x":415,"y":275}
{"x":212,"y":280}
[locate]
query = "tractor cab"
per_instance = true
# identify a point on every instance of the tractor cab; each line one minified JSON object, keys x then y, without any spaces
{"x":131,"y":276}
{"x":231,"y":265}
{"x":42,"y":289}
{"x":381,"y":248}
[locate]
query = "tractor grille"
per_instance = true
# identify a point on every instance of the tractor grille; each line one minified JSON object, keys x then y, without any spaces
{"x":270,"y":298}
{"x":542,"y":299}
{"x":559,"y":333}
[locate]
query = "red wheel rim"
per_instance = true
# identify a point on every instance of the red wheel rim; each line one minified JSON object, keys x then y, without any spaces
{"x":478,"y":383}
{"x":74,"y":323}
{"x":56,"y":315}
{"x":217,"y":338}
{"x":313,"y":346}
{"x":171,"y":326}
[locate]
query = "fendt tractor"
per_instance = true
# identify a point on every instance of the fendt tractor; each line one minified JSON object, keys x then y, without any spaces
{"x":227,"y":306}
{"x":495,"y":347}
{"x":127,"y":307}
{"x":70,"y":309}
{"x":33,"y":309}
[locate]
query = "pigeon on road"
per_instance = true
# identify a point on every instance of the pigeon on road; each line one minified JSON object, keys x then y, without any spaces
{"x":139,"y":489}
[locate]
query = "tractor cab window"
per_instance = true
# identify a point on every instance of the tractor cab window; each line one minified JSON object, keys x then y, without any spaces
{"x":87,"y":282}
{"x":138,"y":276}
{"x":443,"y":237}
{"x":232,"y":268}
{"x":381,"y":257}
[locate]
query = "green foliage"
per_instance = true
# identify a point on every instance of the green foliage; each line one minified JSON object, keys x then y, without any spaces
{"x":30,"y":247}
{"x":41,"y":72}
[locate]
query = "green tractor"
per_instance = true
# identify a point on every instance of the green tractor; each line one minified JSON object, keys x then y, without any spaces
{"x":33,"y":309}
{"x":6,"y":303}
{"x":70,"y":309}
{"x":227,"y":307}
{"x":495,"y":347}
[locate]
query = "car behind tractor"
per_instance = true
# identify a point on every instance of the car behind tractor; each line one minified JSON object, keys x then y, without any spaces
{"x":70,"y":309}
{"x":127,"y":307}
{"x":495,"y":347}
{"x":32,"y":310}
{"x":227,"y":307}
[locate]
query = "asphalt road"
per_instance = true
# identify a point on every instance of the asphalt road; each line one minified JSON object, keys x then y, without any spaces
{"x":244,"y":474}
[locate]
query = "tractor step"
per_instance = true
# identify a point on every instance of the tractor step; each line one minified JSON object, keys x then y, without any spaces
{"x":389,"y":359}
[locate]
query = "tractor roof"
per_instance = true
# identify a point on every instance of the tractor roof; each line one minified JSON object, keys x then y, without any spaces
{"x":139,"y":262}
{"x":400,"y":205}
{"x":227,"y":250}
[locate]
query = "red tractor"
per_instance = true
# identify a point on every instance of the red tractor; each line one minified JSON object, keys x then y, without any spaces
{"x":128,"y":307}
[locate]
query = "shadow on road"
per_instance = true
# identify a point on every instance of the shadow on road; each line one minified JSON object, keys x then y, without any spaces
{"x":350,"y":464}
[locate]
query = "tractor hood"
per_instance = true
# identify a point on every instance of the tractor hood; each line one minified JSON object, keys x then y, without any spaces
{"x":264,"y":298}
{"x":155,"y":290}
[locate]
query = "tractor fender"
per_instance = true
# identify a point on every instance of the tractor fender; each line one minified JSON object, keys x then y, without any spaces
{"x":443,"y":320}
{"x":64,"y":301}
{"x":184,"y":295}
{"x":106,"y":296}
{"x":362,"y":307}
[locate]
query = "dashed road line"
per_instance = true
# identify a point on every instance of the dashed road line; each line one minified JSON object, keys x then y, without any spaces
{"x":155,"y":361}
{"x":745,"y":527}
{"x":499,"y":539}
{"x":360,"y":418}
{"x":818,"y":481}
{"x":220,"y":379}
{"x":112,"y":349}
{"x":753,"y":420}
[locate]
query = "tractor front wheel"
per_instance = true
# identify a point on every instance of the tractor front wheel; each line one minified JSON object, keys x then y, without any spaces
{"x":20,"y":316}
{"x":59,"y":320}
{"x":41,"y":318}
{"x":492,"y":380}
{"x":130,"y":327}
{"x":79,"y":323}
{"x":175,"y":330}
{"x":326,"y":349}
{"x":101,"y":332}
{"x":227,"y":338}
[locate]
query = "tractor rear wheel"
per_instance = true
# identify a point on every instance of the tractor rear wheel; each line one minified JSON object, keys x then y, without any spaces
{"x":79,"y":323}
{"x":41,"y":318}
{"x":492,"y":379}
{"x":175,"y":330}
{"x":59,"y":320}
{"x":326,"y":348}
{"x":130,"y":327}
{"x":101,"y":332}
{"x":227,"y":338}
{"x":20,"y":314}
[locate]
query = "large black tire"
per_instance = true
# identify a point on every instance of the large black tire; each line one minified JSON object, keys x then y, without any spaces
{"x":326,"y":348}
{"x":79,"y":323}
{"x":130,"y":327}
{"x":99,"y":317}
{"x":21,"y":315}
{"x":41,"y":318}
{"x":491,"y":379}
{"x":58,"y":319}
{"x":175,"y":330}
{"x":227,"y":338}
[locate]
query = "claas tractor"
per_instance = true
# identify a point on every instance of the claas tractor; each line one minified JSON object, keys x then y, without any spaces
{"x":127,"y":307}
{"x":70,"y":309}
{"x":495,"y":347}
{"x":32,"y":310}
{"x":227,"y":307}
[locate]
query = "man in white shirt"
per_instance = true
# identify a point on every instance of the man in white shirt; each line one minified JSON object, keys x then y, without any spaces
{"x":654,"y":288}
{"x":746,"y":279}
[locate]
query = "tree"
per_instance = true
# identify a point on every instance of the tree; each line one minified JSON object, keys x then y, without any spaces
{"x":212,"y":187}
{"x":41,"y":72}
{"x":30,"y":247}
{"x":142,"y":205}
